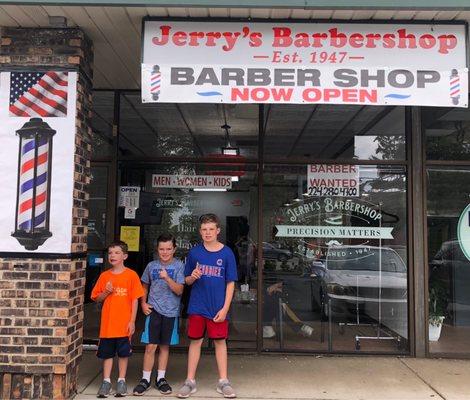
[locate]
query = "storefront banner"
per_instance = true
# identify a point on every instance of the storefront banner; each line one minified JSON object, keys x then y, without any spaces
{"x":192,"y":181}
{"x":37,"y":135}
{"x":129,"y":196}
{"x":339,"y":232}
{"x":333,"y":180}
{"x":304,"y":63}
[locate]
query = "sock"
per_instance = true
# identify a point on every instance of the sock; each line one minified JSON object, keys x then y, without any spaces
{"x":223,"y":380}
{"x":122,"y":379}
{"x":161,"y":374}
{"x":146,"y":375}
{"x":107,"y":380}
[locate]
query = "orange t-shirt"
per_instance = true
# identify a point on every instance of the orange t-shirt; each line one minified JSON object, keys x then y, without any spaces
{"x":117,"y":307}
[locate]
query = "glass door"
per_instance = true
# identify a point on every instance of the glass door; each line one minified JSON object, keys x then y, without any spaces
{"x":172,"y":197}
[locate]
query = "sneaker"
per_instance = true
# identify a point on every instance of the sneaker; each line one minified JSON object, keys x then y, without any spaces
{"x":224,"y":387}
{"x":306,"y":330}
{"x":104,"y":390}
{"x":163,"y":386}
{"x":121,"y":389}
{"x":141,"y":387}
{"x":268,"y":332}
{"x":187,"y":389}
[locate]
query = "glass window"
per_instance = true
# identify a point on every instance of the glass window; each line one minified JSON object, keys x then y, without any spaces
{"x":335,"y":132}
{"x":448,"y":222}
{"x":186,"y":130}
{"x":177,"y":209}
{"x":96,"y":242}
{"x":102,"y":125}
{"x":335,"y":267}
{"x":447,"y":133}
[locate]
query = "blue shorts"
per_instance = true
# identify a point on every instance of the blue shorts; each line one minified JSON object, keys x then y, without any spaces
{"x":160,"y":329}
{"x":109,"y":347}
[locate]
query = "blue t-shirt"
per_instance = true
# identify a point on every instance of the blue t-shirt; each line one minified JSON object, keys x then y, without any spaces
{"x":208,"y":292}
{"x":160,"y":296}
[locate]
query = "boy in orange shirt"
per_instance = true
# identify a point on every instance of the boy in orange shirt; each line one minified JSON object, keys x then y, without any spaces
{"x":118,"y":288}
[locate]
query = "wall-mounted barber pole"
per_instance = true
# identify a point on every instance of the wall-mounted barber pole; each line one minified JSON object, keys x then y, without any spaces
{"x":34,"y":183}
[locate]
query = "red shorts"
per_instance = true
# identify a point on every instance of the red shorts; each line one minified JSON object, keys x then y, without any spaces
{"x":198,"y":325}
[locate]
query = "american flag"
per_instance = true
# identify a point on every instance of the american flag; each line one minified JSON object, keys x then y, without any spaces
{"x":38,"y":94}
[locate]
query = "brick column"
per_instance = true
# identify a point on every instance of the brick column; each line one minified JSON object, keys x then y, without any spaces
{"x":41,"y":299}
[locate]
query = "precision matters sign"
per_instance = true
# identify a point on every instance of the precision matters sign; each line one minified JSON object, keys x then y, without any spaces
{"x":281,"y":62}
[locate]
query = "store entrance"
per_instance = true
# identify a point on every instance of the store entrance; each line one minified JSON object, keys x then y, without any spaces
{"x":176,"y":210}
{"x":318,"y":271}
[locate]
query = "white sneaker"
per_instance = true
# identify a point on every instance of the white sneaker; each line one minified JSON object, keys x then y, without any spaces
{"x":268,"y":332}
{"x":306,"y":330}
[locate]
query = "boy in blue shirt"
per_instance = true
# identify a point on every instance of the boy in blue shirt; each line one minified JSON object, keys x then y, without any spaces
{"x":163,"y":282}
{"x":211,"y":270}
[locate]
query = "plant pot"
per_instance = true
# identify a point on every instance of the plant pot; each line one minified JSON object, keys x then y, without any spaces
{"x":435,"y":330}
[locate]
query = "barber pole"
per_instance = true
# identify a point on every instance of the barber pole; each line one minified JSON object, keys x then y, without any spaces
{"x":34,"y":184}
{"x":155,"y":82}
{"x":454,"y":84}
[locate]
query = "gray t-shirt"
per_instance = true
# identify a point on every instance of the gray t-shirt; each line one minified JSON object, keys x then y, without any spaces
{"x":160,"y":296}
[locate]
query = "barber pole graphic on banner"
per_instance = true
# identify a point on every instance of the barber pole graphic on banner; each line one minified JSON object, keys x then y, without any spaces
{"x":455,"y":87}
{"x":37,"y":108}
{"x":155,"y":82}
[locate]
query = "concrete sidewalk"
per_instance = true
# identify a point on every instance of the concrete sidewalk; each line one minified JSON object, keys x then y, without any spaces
{"x":306,"y":377}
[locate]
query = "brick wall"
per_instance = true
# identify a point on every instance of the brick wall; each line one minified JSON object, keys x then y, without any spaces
{"x":41,"y":300}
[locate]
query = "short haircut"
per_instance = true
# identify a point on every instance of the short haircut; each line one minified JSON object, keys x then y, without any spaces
{"x":166,"y":237}
{"x":121,"y":244}
{"x":207,"y":218}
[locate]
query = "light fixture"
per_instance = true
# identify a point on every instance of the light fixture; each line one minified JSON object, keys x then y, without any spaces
{"x":58,"y":21}
{"x":228,"y":149}
{"x":235,"y":179}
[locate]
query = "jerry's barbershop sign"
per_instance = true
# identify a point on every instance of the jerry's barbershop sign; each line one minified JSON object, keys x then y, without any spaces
{"x":279,"y":62}
{"x":334,"y":218}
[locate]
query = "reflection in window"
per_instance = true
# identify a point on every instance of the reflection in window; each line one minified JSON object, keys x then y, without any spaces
{"x":102,"y":124}
{"x":447,"y":133}
{"x":335,"y":132}
{"x":335,"y":268}
{"x":186,"y":130}
{"x":449,"y":268}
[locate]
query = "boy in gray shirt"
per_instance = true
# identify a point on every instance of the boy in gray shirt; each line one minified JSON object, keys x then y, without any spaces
{"x":163,"y":282}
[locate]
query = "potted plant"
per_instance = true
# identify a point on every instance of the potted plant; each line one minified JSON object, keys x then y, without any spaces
{"x":437,"y":308}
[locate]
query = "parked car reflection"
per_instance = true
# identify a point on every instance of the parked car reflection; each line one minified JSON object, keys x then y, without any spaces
{"x":271,"y":252}
{"x":364,"y":283}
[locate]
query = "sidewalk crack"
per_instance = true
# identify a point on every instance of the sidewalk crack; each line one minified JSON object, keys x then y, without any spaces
{"x":402,"y":360}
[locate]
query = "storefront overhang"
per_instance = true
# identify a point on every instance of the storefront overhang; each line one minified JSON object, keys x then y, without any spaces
{"x":302,"y":4}
{"x":115,"y":25}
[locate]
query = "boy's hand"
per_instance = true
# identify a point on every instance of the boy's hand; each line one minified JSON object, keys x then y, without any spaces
{"x":163,"y":274}
{"x":130,"y":328}
{"x":146,"y":308}
{"x":109,"y":287}
{"x":197,"y":273}
{"x":221,"y":315}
